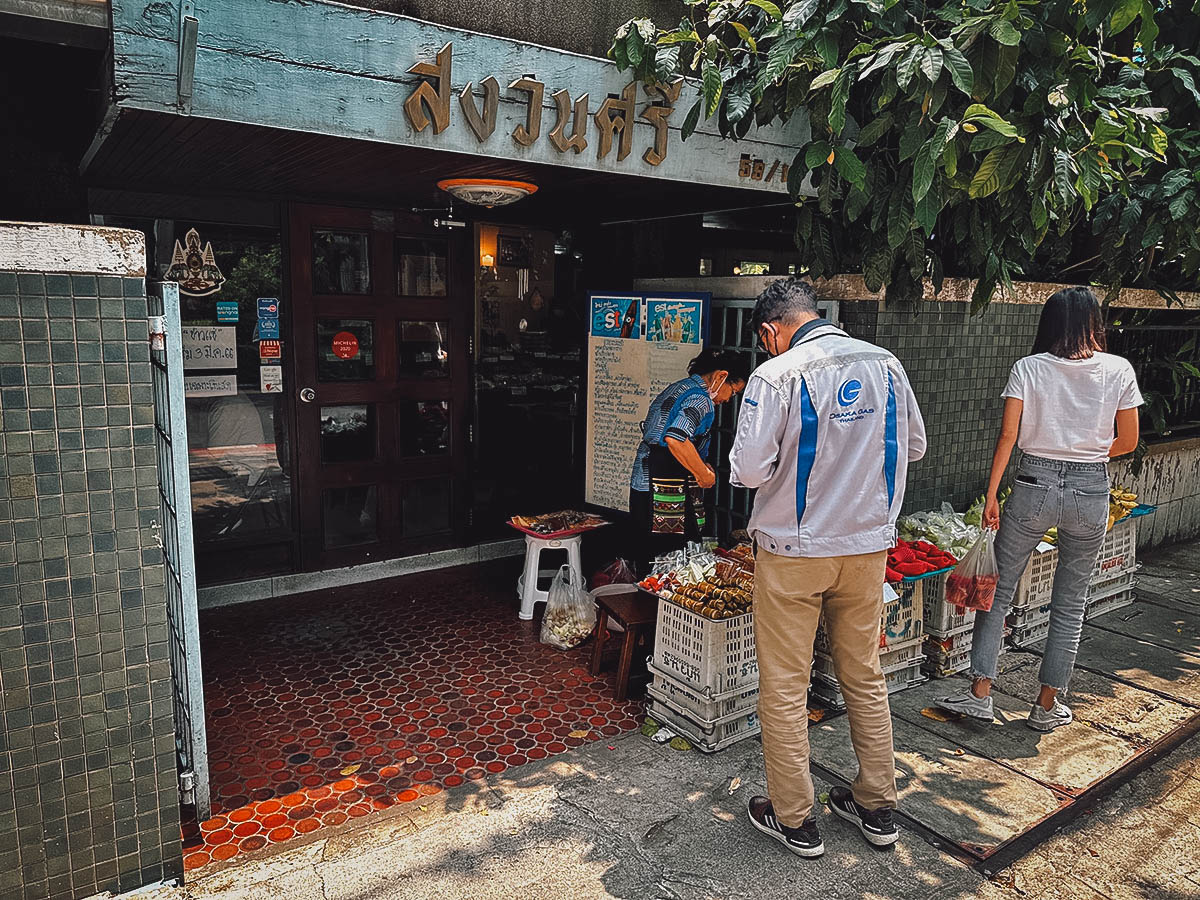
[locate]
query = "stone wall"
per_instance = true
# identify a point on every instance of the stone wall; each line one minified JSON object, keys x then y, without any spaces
{"x":88,"y":793}
{"x":958,"y":365}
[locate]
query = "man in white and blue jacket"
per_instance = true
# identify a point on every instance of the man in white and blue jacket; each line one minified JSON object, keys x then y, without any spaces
{"x":825,"y":434}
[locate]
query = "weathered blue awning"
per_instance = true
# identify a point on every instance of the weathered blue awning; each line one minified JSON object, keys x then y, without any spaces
{"x":327,"y":69}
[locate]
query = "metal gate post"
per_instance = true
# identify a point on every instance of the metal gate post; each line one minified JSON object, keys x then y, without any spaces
{"x":175,"y":530}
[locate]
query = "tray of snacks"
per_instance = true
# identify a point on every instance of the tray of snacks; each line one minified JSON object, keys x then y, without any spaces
{"x":712,"y":582}
{"x":564,"y":523}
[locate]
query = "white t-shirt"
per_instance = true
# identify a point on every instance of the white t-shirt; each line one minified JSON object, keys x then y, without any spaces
{"x":1070,"y":405}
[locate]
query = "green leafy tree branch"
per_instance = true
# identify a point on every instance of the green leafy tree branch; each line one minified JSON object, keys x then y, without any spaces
{"x":985,"y":139}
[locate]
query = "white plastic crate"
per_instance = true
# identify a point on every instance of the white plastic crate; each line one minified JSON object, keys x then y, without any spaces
{"x":707,"y":736}
{"x":1110,"y":603}
{"x":901,"y":620}
{"x":694,"y":703}
{"x":902,"y":617}
{"x":1033,"y":615}
{"x":902,"y":677}
{"x":713,"y":656}
{"x":954,"y":643}
{"x":1106,"y":587}
{"x":942,"y":618}
{"x":939,"y":665}
{"x":1118,"y":553}
{"x":1029,"y":634}
{"x":889,"y":660}
{"x":1037,"y":581}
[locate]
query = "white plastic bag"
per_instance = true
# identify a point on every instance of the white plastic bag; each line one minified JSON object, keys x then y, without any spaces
{"x":972,"y":584}
{"x":570,"y":613}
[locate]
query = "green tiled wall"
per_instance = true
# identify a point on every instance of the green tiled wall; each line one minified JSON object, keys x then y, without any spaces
{"x":88,"y":796}
{"x":958,"y":365}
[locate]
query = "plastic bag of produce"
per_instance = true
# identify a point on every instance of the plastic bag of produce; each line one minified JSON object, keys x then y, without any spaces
{"x":972,"y":584}
{"x":616,"y":572}
{"x":570,"y":613}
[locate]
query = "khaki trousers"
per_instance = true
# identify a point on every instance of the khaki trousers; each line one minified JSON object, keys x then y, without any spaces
{"x":789,"y":595}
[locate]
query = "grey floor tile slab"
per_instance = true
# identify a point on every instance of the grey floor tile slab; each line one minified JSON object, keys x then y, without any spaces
{"x":1069,"y":758}
{"x":972,"y":800}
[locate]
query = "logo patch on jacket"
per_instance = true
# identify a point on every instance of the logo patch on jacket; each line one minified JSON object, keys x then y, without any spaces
{"x":849,"y":391}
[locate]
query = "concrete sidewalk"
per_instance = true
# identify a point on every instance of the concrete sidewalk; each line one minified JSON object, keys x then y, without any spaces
{"x":644,"y":821}
{"x":630,"y":818}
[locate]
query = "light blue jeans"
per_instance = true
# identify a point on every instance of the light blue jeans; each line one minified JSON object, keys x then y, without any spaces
{"x":1047,"y":493}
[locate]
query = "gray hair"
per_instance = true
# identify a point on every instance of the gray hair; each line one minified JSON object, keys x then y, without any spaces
{"x":786,"y":300}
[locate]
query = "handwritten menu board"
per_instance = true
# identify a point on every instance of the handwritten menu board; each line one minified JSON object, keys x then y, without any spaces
{"x":637,"y":345}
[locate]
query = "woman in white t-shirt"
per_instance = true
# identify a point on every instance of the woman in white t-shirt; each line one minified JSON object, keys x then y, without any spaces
{"x":1069,"y":407}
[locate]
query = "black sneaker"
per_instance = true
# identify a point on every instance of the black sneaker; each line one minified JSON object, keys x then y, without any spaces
{"x":803,"y":841}
{"x":877,"y":826}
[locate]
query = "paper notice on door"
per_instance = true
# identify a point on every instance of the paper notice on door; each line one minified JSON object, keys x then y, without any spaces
{"x":209,"y":347}
{"x":210,"y":386}
{"x":271,"y":379}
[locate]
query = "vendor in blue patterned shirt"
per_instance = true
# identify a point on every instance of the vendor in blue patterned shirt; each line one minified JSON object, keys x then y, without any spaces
{"x":671,"y":471}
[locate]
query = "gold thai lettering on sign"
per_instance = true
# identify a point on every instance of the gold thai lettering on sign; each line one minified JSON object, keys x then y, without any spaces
{"x":614,"y":120}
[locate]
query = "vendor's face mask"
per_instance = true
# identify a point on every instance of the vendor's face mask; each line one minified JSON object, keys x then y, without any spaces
{"x":714,"y":389}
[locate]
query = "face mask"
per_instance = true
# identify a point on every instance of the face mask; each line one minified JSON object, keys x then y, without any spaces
{"x":716,"y":387}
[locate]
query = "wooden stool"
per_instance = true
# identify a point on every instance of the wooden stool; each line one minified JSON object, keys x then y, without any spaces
{"x":636,"y":612}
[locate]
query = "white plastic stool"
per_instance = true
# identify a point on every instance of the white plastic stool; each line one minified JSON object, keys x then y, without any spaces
{"x":527,"y":584}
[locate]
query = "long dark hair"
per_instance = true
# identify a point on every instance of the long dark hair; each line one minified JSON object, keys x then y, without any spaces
{"x":709,"y":361}
{"x":1072,"y":325}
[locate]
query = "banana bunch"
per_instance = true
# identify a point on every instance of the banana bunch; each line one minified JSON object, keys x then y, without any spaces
{"x":1120,"y":503}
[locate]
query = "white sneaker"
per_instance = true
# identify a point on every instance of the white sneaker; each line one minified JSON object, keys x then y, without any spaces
{"x":1046,"y":720}
{"x":967,"y":704}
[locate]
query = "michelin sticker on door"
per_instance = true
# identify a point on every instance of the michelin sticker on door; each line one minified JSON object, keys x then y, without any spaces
{"x":271,"y":379}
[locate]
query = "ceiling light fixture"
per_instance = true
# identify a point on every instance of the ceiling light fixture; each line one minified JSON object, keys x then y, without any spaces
{"x":487,"y":192}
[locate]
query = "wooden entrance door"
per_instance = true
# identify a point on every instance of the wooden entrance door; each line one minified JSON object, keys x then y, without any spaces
{"x":381,"y":321}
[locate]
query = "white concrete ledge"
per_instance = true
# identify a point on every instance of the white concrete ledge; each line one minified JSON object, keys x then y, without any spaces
{"x":954,"y":290}
{"x":283,"y":585}
{"x":37,"y":247}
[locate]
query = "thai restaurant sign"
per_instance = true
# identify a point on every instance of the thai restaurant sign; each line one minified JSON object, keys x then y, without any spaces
{"x":328,"y":68}
{"x":575,"y":124}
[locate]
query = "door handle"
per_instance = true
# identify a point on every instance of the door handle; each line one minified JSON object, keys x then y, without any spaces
{"x":308,"y":395}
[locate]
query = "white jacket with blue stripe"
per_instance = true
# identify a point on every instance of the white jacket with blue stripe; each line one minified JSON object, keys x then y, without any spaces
{"x":825,"y":433}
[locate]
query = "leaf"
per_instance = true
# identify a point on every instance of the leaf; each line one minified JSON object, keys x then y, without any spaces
{"x":1064,"y":177}
{"x":987,"y":177}
{"x":679,"y":37}
{"x":634,"y":45}
{"x":1188,"y":81}
{"x":579,"y":733}
{"x":982,"y":295}
{"x":350,"y":770}
{"x":737,"y":101}
{"x":837,"y":102}
{"x":768,"y":7}
{"x":825,"y":79}
{"x":900,"y":217}
{"x":1004,"y":33}
{"x":856,"y":202}
{"x":1106,"y":129}
{"x":817,"y":153}
{"x":924,"y":168}
{"x":691,"y":120}
{"x":826,"y":44}
{"x":959,"y":69}
{"x":931,"y":63}
{"x":1124,"y":16}
{"x":874,"y":130}
{"x":734,"y":785}
{"x":1006,"y":68}
{"x":882,"y":58}
{"x":849,"y":166}
{"x":929,"y":207}
{"x":666,"y":63}
{"x":877,"y":268}
{"x":908,"y":66}
{"x":800,"y":12}
{"x":745,"y":35}
{"x":712,"y":87}
{"x":1159,"y":142}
